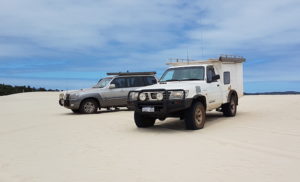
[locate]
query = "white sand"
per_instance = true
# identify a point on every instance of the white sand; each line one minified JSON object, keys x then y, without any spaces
{"x":41,"y":141}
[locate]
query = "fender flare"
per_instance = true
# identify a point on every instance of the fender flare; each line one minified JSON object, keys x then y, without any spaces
{"x":94,"y":96}
{"x":233,"y":92}
{"x":200,"y":98}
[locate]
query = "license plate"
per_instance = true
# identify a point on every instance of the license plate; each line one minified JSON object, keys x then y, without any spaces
{"x":148,"y":109}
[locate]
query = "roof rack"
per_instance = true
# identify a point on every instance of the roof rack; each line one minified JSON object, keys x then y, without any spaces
{"x":223,"y":58}
{"x":231,"y":58}
{"x":192,"y":62}
{"x":132,"y":73}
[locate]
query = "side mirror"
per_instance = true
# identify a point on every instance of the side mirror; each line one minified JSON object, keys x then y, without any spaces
{"x":216,"y":77}
{"x":111,"y":86}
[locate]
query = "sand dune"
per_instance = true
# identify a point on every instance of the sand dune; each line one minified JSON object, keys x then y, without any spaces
{"x":43,"y":142}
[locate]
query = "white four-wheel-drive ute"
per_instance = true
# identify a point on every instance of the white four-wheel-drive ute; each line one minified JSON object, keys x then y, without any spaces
{"x":189,"y":89}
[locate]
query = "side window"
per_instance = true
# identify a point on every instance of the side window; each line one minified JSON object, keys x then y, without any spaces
{"x":130,"y":81}
{"x":210,"y":72}
{"x":149,"y":80}
{"x":138,"y":81}
{"x":226,"y":77}
{"x":120,"y":82}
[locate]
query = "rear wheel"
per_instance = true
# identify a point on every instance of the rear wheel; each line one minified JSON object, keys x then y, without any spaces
{"x":229,"y":109}
{"x":143,"y":121}
{"x":195,"y":116}
{"x":88,"y":106}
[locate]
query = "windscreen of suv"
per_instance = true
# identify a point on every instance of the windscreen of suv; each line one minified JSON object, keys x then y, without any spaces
{"x":183,"y":73}
{"x":102,"y":83}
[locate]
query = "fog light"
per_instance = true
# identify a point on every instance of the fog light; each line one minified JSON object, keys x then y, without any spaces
{"x":159,"y":96}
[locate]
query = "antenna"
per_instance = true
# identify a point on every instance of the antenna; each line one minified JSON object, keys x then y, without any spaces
{"x":202,"y":43}
{"x":187,"y":54}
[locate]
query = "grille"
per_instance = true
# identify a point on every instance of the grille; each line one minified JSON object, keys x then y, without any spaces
{"x":153,"y":95}
{"x":166,"y":95}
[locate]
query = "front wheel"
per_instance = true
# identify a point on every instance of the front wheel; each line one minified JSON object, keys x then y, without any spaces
{"x":143,"y":121}
{"x":88,"y":106}
{"x":195,"y":116}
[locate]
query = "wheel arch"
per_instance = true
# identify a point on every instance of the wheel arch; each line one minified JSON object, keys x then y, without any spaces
{"x":233,"y":93}
{"x":200,"y":98}
{"x":93,"y":98}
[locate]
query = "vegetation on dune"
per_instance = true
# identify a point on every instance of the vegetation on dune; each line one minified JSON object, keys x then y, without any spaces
{"x":9,"y":89}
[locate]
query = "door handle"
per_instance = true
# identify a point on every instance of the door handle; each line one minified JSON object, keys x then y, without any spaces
{"x":218,"y":85}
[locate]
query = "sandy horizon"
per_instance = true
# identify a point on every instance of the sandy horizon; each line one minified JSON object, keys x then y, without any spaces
{"x":42,"y":141}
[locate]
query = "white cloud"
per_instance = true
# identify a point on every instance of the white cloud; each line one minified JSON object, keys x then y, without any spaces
{"x":248,"y":24}
{"x":141,"y":34}
{"x":80,"y":25}
{"x":73,"y":25}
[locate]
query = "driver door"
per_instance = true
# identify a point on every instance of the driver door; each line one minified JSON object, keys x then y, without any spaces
{"x":214,"y":91}
{"x":115,"y":96}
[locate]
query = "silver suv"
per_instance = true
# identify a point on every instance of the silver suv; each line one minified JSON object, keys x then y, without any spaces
{"x":108,"y":92}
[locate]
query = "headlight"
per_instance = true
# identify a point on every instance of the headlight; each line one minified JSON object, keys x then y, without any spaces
{"x":159,"y":96}
{"x":142,"y":96}
{"x":133,"y":96}
{"x":61,"y":95}
{"x":176,"y":95}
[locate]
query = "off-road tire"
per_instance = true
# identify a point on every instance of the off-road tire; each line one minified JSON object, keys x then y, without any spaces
{"x":195,"y":116}
{"x":229,"y":109}
{"x":76,"y":111}
{"x":88,"y":106}
{"x":143,"y":121}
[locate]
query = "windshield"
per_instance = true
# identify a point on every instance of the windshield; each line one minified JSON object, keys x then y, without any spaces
{"x":183,"y":73}
{"x":102,"y":83}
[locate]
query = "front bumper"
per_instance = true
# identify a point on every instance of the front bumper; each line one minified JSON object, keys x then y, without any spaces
{"x":70,"y":104}
{"x":162,"y":108}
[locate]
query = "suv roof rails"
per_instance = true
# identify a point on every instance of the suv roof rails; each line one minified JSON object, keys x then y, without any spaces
{"x":132,"y":73}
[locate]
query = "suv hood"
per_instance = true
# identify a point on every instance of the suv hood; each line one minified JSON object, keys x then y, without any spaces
{"x":82,"y":91}
{"x":185,"y":85}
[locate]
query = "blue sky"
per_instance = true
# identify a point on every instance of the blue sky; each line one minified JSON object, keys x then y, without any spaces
{"x":70,"y":44}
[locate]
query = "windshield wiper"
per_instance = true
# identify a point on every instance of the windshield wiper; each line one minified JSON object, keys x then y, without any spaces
{"x":171,"y":80}
{"x":192,"y":79}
